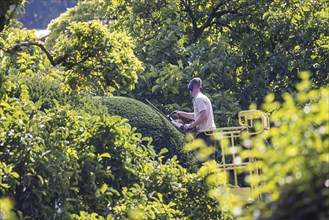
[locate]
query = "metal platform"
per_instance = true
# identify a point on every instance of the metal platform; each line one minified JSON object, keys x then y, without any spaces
{"x":253,"y":122}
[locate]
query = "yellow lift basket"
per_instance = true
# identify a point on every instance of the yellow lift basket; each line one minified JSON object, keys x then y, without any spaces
{"x":247,"y":121}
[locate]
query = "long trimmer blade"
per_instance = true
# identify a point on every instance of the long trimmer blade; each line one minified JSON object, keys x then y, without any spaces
{"x":153,"y":106}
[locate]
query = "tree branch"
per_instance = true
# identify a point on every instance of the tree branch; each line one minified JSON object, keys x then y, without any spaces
{"x":53,"y":61}
{"x":188,"y":10}
{"x":214,"y":14}
{"x":42,"y":47}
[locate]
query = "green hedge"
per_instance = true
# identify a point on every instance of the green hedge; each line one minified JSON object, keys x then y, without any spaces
{"x":67,"y":164}
{"x":149,"y":123}
{"x":49,"y":93}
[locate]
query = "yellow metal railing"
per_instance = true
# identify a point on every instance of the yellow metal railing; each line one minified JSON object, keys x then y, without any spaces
{"x":247,"y":121}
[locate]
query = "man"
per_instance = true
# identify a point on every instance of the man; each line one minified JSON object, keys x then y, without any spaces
{"x":203,"y":116}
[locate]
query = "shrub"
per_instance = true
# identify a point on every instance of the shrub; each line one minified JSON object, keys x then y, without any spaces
{"x":295,"y":166}
{"x":45,"y":91}
{"x":149,"y":123}
{"x":49,"y":93}
{"x":63,"y":164}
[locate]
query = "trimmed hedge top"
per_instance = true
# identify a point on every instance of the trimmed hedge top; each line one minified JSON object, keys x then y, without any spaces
{"x":149,"y":123}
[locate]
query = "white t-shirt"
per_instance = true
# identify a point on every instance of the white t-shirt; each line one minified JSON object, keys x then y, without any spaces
{"x":201,"y":103}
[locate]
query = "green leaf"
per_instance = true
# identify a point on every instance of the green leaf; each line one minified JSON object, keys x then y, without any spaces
{"x":163,"y":151}
{"x":104,"y":188}
{"x":5,"y":185}
{"x":155,"y":88}
{"x":30,"y":72}
{"x":105,"y":155}
{"x":15,"y":175}
{"x":41,"y":179}
{"x":21,"y":61}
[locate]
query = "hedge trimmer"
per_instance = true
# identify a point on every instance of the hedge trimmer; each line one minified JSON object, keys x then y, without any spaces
{"x":177,"y":123}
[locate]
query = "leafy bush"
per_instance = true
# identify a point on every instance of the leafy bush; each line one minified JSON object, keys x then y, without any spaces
{"x":50,"y":93}
{"x":63,"y":164}
{"x":45,"y":91}
{"x":150,"y":123}
{"x":294,"y":178}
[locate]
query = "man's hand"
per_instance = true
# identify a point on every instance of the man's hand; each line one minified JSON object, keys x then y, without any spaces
{"x":188,"y":126}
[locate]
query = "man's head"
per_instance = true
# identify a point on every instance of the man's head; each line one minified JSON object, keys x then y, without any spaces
{"x":194,"y":86}
{"x":195,"y":82}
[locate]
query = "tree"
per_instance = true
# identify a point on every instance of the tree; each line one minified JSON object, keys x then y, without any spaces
{"x":279,"y":41}
{"x":236,"y":46}
{"x":157,"y":52}
{"x":243,"y":49}
{"x":61,"y":162}
{"x":9,"y":10}
{"x":83,"y":12}
{"x":97,"y":60}
{"x":89,"y":58}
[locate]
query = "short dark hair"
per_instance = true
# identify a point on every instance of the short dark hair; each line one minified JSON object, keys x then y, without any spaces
{"x":194,"y":81}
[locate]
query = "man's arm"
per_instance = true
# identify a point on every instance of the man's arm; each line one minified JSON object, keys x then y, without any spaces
{"x":202,"y":116}
{"x":185,"y":115}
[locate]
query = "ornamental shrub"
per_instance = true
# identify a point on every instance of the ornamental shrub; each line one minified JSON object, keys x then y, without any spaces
{"x":150,"y":123}
{"x":50,"y":93}
{"x":66,"y":164}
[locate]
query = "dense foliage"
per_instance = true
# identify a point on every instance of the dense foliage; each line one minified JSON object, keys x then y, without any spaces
{"x":63,"y":156}
{"x":295,"y":171}
{"x":97,"y":60}
{"x":62,"y":162}
{"x":149,"y":123}
{"x":242,"y":50}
